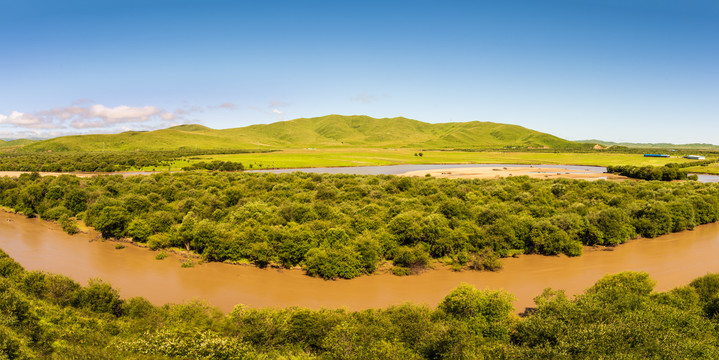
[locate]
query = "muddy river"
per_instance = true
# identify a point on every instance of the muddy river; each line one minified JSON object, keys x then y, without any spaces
{"x":672,"y":260}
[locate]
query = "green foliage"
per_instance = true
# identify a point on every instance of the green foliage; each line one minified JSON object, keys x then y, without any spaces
{"x":332,"y":263}
{"x":668,"y":172}
{"x":8,"y":266}
{"x":486,"y":260}
{"x":467,"y":302}
{"x":622,"y":291}
{"x":188,"y":344}
{"x":401,"y":271}
{"x":415,"y":259}
{"x":81,"y":157}
{"x":100,"y":297}
{"x":216,"y":165}
{"x":110,"y":221}
{"x":617,"y":318}
{"x":187,"y":263}
{"x":706,"y":286}
{"x":139,"y":230}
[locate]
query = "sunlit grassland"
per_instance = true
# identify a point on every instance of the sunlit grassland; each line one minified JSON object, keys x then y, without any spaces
{"x":372,"y":157}
{"x":710,"y":169}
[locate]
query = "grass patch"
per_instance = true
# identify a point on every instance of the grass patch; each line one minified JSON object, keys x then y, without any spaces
{"x":401,"y":271}
{"x":188,"y":263}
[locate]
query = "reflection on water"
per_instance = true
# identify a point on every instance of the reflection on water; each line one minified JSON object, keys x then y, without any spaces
{"x":672,"y":260}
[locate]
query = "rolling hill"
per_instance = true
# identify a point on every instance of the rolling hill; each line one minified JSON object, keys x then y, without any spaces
{"x":18,"y":142}
{"x":320,"y":132}
{"x":694,"y":146}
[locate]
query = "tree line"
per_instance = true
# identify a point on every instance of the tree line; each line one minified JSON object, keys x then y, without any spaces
{"x":668,"y":172}
{"x":215,"y":165}
{"x":50,"y":316}
{"x":661,"y":173}
{"x":106,"y":161}
{"x":344,"y":226}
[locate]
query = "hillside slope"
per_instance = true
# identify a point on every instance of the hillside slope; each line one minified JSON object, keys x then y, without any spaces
{"x":320,"y":132}
{"x":18,"y":142}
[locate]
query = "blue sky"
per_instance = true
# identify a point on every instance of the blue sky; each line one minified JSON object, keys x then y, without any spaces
{"x":619,"y":70}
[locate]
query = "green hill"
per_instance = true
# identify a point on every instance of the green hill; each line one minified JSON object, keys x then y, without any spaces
{"x":18,"y":142}
{"x":320,"y":132}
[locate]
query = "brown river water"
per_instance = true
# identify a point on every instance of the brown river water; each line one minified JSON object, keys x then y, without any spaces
{"x":672,"y":260}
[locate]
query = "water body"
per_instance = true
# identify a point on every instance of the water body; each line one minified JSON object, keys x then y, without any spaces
{"x":672,"y":260}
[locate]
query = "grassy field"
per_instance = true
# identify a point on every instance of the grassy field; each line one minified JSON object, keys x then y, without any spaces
{"x":370,"y":157}
{"x":711,"y":169}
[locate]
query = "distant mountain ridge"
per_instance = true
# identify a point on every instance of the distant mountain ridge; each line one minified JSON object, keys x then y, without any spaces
{"x":319,"y":132}
{"x":698,"y":146}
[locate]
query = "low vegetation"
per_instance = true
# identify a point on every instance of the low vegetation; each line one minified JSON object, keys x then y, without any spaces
{"x":661,"y":173}
{"x":668,"y":172}
{"x":343,"y":226}
{"x":108,"y":161}
{"x":51,"y":316}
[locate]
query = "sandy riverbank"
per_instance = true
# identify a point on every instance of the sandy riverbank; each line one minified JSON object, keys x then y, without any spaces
{"x":15,"y":174}
{"x":501,"y":171}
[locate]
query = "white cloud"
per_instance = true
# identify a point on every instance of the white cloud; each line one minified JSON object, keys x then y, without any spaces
{"x":167,"y":116}
{"x":99,"y":118}
{"x":25,"y":120}
{"x":364,"y":98}
{"x":123,"y":112}
{"x":277,"y":103}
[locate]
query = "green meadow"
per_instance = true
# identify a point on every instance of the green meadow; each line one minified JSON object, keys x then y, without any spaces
{"x":373,"y":157}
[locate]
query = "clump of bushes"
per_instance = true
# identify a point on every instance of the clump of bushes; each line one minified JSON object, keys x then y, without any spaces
{"x":486,"y":260}
{"x":187,"y":263}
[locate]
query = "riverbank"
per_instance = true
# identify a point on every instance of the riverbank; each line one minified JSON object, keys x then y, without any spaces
{"x":505,"y":171}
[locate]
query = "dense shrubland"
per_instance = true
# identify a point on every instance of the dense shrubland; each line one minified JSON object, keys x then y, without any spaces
{"x":50,"y":316}
{"x":343,"y":226}
{"x":103,"y":161}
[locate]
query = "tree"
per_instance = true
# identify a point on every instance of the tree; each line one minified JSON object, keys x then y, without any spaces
{"x":99,"y":296}
{"x":111,"y":221}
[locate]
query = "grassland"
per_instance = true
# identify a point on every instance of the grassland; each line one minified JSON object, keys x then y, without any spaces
{"x":298,"y":158}
{"x":711,"y":169}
